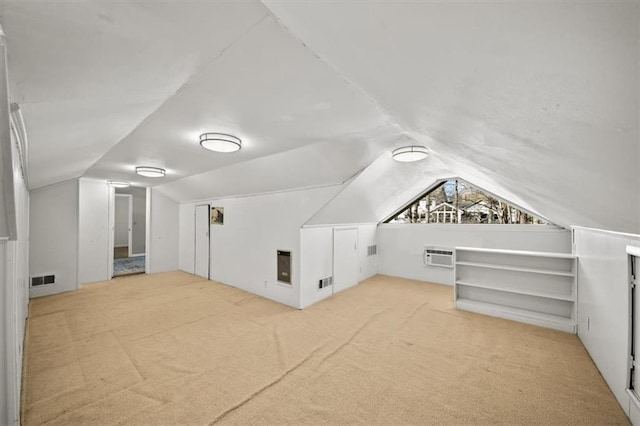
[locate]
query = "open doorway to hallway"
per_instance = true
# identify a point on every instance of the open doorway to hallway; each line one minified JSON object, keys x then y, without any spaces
{"x":129,"y":231}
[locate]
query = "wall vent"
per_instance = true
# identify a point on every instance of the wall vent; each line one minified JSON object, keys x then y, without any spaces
{"x":372,"y":250}
{"x":325,"y":282}
{"x":43,"y":280}
{"x":437,"y":256}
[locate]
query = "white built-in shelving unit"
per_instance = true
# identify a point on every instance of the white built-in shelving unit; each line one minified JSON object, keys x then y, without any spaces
{"x":534,"y":287}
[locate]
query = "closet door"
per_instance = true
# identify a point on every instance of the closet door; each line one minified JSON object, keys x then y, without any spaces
{"x":201,"y":267}
{"x":345,"y":258}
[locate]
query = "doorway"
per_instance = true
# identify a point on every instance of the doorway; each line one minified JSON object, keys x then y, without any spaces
{"x":202,"y":242}
{"x":345,"y":258}
{"x":129,"y":231}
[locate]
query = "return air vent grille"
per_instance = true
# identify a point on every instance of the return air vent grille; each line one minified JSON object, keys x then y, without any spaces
{"x":325,"y":282}
{"x":437,"y":256}
{"x":43,"y":280}
{"x":372,"y":250}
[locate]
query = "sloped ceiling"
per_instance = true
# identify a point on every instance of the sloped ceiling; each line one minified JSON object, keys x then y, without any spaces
{"x":535,"y":100}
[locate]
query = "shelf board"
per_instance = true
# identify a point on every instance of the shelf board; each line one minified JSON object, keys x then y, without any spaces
{"x":542,"y":294}
{"x":517,"y":314}
{"x":519,"y":252}
{"x":516,"y":268}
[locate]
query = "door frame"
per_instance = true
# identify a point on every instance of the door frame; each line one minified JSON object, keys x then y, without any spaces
{"x":195,"y":243}
{"x":111,"y":229}
{"x":633,"y":263}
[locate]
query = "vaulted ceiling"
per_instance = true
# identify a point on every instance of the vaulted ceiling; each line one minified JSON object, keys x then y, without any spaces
{"x":539,"y":101}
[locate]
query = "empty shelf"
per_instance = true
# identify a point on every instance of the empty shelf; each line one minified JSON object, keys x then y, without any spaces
{"x":516,"y":314}
{"x":516,"y":268}
{"x":543,"y":294}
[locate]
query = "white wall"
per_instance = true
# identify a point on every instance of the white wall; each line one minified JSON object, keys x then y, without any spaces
{"x":162,"y":248}
{"x":603,"y":303}
{"x":53,"y":230}
{"x":316,"y":249}
{"x":139,"y":217}
{"x":400,"y":246}
{"x":14,"y":285}
{"x":93,"y":231}
{"x":243,"y":250}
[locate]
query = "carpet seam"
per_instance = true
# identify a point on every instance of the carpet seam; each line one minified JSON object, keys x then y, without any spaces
{"x":353,"y":336}
{"x":268,"y":386}
{"x":128,"y":356}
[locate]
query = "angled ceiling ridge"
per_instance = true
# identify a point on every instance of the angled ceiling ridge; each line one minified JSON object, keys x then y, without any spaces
{"x":391,"y":120}
{"x":346,"y":184}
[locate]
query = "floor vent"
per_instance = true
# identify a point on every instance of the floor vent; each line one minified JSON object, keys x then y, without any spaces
{"x":372,"y":250}
{"x":325,"y":282}
{"x":43,"y":280}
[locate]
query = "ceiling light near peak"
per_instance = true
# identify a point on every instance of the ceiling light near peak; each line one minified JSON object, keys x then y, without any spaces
{"x":152,"y":172}
{"x":408,"y":154}
{"x":118,"y":183}
{"x":220,"y":142}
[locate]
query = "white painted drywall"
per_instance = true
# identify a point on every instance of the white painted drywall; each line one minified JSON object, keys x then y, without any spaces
{"x":139,"y":217}
{"x":316,"y":262}
{"x":93,"y":231}
{"x":53,"y":231}
{"x":162,"y":253}
{"x":603,"y":303}
{"x":383,"y":187}
{"x":400,"y":246}
{"x":491,"y":88}
{"x":8,"y":339}
{"x":105,"y":79}
{"x":316,"y":246}
{"x":243,"y":249}
{"x":14,"y":289}
{"x":634,"y":412}
{"x":121,"y":220}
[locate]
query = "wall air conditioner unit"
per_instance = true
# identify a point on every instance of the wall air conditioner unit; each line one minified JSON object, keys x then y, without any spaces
{"x":437,"y":256}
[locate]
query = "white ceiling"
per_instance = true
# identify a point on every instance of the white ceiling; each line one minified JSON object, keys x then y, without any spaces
{"x":538,"y":101}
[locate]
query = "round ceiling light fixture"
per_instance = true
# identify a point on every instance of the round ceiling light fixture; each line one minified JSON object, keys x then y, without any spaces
{"x":118,"y":183}
{"x":408,"y":154}
{"x":220,"y":142}
{"x":152,"y":172}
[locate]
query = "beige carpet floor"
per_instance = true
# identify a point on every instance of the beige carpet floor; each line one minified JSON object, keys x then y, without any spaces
{"x":172,"y":348}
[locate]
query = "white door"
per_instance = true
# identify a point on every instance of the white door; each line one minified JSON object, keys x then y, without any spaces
{"x":345,"y":258}
{"x":201,"y":267}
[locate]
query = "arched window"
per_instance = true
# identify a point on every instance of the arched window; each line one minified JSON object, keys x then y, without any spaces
{"x":456,"y":201}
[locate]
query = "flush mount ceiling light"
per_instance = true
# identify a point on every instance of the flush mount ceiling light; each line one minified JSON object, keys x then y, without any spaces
{"x":151,"y":172}
{"x":118,"y":183}
{"x":408,"y":154}
{"x":220,"y":142}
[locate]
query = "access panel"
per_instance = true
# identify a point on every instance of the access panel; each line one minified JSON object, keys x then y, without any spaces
{"x":284,"y":266}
